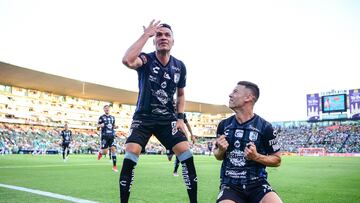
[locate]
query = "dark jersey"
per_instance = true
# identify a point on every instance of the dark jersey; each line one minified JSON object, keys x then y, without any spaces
{"x":66,"y":136}
{"x":235,"y":168}
{"x":109,"y":125}
{"x":157,"y":86}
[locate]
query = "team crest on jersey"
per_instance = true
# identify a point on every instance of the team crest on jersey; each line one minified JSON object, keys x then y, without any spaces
{"x":163,"y":85}
{"x":253,"y":136}
{"x":176,"y":77}
{"x":239,"y":133}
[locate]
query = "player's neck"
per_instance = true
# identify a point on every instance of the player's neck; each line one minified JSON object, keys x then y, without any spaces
{"x":243,"y":115}
{"x":163,"y":57}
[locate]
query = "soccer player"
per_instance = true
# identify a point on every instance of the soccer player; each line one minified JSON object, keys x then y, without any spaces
{"x":2,"y":146}
{"x":66,"y":135}
{"x":160,"y":75}
{"x":246,"y":144}
{"x":107,"y":125}
{"x":36,"y":146}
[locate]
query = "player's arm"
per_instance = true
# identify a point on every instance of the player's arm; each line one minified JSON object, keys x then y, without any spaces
{"x":180,"y":106}
{"x":100,"y":124}
{"x":220,"y":150}
{"x":193,"y":137}
{"x":221,"y":144}
{"x":272,"y":160}
{"x":131,"y":58}
{"x":272,"y":157}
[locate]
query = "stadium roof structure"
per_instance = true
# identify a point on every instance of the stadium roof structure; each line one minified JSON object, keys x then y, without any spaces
{"x":31,"y":79}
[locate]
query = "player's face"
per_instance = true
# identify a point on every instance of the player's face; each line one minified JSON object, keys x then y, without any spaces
{"x":163,"y":39}
{"x":106,"y":110}
{"x":66,"y":126}
{"x":239,"y":96}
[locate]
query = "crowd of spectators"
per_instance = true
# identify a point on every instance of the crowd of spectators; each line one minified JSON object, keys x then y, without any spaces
{"x":20,"y":138}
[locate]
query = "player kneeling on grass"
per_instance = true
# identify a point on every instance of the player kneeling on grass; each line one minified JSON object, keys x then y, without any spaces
{"x":246,"y":144}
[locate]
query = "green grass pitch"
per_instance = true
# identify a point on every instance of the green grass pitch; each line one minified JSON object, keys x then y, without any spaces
{"x":298,"y":179}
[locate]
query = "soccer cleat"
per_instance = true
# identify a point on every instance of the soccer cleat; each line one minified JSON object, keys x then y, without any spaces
{"x":175,"y":174}
{"x":114,"y":168}
{"x":99,"y":155}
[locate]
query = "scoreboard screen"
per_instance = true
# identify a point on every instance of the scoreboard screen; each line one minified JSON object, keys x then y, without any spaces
{"x":333,"y":103}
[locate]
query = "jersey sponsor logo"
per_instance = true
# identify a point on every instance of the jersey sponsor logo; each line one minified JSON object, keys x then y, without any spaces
{"x":162,"y":96}
{"x":272,"y":142}
{"x":163,"y":85}
{"x":254,"y":129}
{"x":239,"y":133}
{"x":235,"y":174}
{"x":253,"y":136}
{"x":267,"y":188}
{"x":160,"y":111}
{"x":237,"y":158}
{"x":174,"y":128}
{"x":237,"y":144}
{"x":167,"y":76}
{"x":152,"y":78}
{"x":175,"y":68}
{"x":276,"y":147}
{"x":156,"y":69}
{"x":176,"y":77}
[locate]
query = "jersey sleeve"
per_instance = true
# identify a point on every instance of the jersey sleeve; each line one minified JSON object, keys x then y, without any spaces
{"x":100,"y":120}
{"x":182,"y":81}
{"x":270,"y":141}
{"x":220,"y":129}
{"x":144,"y":58}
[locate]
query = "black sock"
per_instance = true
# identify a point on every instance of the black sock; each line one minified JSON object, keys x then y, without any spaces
{"x":63,"y":153}
{"x":177,"y":163}
{"x":67,"y":152}
{"x":190,"y":178}
{"x":114,"y":159}
{"x":126,"y":178}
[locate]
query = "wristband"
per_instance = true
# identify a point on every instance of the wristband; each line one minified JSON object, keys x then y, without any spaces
{"x":180,"y":116}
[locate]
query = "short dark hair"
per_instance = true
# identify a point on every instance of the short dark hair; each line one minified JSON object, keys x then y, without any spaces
{"x":106,"y":105}
{"x":252,"y":87}
{"x":165,"y":25}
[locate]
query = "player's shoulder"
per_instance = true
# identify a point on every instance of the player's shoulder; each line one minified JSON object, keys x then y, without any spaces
{"x":225,"y":123}
{"x":177,"y":61}
{"x":265,"y":125}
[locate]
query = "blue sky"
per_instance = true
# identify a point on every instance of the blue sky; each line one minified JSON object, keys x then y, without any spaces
{"x":289,"y":48}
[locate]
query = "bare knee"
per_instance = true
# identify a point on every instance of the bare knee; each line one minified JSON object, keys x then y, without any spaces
{"x":181,"y":147}
{"x":271,"y":197}
{"x":226,"y":201}
{"x":133,"y":148}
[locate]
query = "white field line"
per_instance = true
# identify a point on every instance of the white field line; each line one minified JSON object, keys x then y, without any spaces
{"x":48,"y":194}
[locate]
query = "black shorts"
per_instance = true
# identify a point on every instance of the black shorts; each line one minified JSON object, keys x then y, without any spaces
{"x":246,"y":193}
{"x":107,"y":141}
{"x":165,"y":132}
{"x":65,"y":144}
